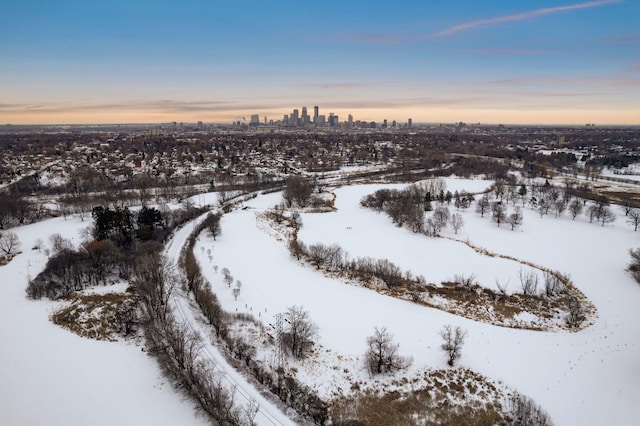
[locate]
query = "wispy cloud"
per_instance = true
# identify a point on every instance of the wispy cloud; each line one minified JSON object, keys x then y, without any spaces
{"x":520,"y":16}
{"x":624,"y":39}
{"x":138,"y":106}
{"x":568,"y":81}
{"x":512,"y":52}
{"x":348,"y":85}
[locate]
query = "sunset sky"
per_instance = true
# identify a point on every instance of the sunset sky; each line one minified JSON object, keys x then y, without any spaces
{"x":547,"y":62}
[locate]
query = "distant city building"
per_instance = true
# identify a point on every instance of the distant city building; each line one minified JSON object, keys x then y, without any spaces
{"x":409,"y":123}
{"x":255,"y":120}
{"x":316,"y":111}
{"x":350,"y":121}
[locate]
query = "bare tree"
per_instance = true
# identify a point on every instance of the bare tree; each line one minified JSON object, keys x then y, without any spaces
{"x":38,"y":244}
{"x":553,"y":284}
{"x":633,"y":216}
{"x":498,"y":212}
{"x":544,"y":205}
{"x":227,"y":277}
{"x":9,"y":243}
{"x":382,"y":353}
{"x":528,"y":282}
{"x":236,"y":292}
{"x":212,"y":222}
{"x":465,"y":280}
{"x":155,"y":279}
{"x":452,"y":341}
{"x":575,"y":317}
{"x":299,"y":331}
{"x":440,"y":218}
{"x":634,"y":266}
{"x":515,"y":218}
{"x":607,"y":216}
{"x":575,"y":208}
{"x":482,"y":206}
{"x":59,"y":243}
{"x":250,"y":411}
{"x":559,"y":206}
{"x":592,"y":212}
{"x":457,"y":222}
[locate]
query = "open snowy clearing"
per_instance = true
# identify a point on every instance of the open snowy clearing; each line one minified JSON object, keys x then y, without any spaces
{"x":51,"y":376}
{"x":587,"y":377}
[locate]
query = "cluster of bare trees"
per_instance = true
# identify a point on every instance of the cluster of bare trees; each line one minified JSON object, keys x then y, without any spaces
{"x":382,"y":354}
{"x":298,"y":190}
{"x":121,"y":240}
{"x":408,"y":207}
{"x":333,"y":258}
{"x":179,"y":349}
{"x":547,"y":198}
{"x":555,"y":284}
{"x":523,"y":411}
{"x":16,"y":210}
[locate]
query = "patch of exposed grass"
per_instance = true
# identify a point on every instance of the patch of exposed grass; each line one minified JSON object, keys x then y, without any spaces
{"x":5,"y":259}
{"x":99,"y":316}
{"x":447,"y":397}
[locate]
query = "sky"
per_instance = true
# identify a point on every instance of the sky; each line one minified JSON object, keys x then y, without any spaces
{"x":509,"y":62}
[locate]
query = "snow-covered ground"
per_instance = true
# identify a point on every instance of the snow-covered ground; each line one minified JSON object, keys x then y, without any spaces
{"x":632,"y":172}
{"x":589,"y":377}
{"x":49,"y":376}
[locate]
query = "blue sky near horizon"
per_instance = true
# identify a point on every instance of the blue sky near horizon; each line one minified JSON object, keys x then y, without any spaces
{"x":148,"y":61}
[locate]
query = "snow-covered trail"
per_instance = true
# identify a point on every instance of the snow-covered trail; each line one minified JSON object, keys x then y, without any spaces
{"x":187,"y":311}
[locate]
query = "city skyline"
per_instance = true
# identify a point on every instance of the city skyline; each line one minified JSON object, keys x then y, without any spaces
{"x":543,"y":62}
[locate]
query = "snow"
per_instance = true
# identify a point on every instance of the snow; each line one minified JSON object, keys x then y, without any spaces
{"x":187,"y":312}
{"x":589,"y":377}
{"x":51,"y":376}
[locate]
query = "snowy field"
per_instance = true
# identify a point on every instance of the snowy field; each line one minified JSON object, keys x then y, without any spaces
{"x":51,"y":376}
{"x":589,"y":377}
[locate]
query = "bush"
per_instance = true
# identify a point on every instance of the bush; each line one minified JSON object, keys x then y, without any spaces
{"x":634,"y":266}
{"x":523,"y":411}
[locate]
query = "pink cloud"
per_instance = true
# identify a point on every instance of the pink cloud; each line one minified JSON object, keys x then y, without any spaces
{"x":348,"y":85}
{"x":512,"y":52}
{"x":520,"y":16}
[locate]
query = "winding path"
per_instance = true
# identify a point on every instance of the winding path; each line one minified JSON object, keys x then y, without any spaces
{"x":188,"y":313}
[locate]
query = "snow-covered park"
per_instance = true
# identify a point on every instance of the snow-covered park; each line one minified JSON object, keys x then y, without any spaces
{"x":51,"y":376}
{"x":588,"y":377}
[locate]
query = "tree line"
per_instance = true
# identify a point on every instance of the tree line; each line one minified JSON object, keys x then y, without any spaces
{"x":118,"y":240}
